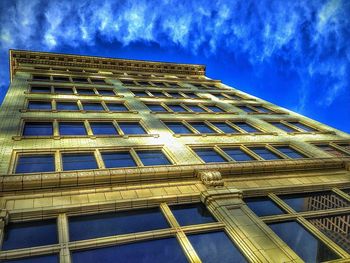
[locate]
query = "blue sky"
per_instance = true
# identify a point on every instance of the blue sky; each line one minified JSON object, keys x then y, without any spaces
{"x":292,"y":53}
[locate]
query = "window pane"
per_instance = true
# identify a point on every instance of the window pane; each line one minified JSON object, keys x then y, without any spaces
{"x":214,"y":108}
{"x":246,"y":127}
{"x":116,"y":223}
{"x":79,"y":161}
{"x":93,"y":106}
{"x":36,"y":259}
{"x":35,"y":163}
{"x":86,"y":91}
{"x":61,"y":79}
{"x":302,"y":242}
{"x":67,"y":106}
{"x":331,"y":150}
{"x":72,"y":128}
{"x":175,"y":95}
{"x":151,"y":251}
{"x":220,"y":96}
{"x":202,"y":127}
{"x":245,"y":108}
{"x":30,"y":234}
{"x":177,"y":108}
{"x":103,"y":128}
{"x":155,"y":107}
{"x":290,"y":152}
{"x":126,"y":82}
{"x":237,"y":154}
{"x":155,"y":157}
{"x":209,"y":155}
{"x":178,"y":128}
{"x":192,"y":95}
{"x":41,"y":78}
{"x":159,"y":84}
{"x":302,"y":126}
{"x":262,"y":109}
{"x":283,"y":127}
{"x":263,"y":206}
{"x":80,"y":80}
{"x":143,"y":83}
{"x":264,"y":153}
{"x":39,"y":105}
{"x":336,"y":228}
{"x":40,"y":89}
{"x":140,"y":93}
{"x":106,"y":92}
{"x":158,"y":94}
{"x":346,"y":146}
{"x":118,"y":159}
{"x":216,"y":247}
{"x":64,"y":90}
{"x":225,"y":127}
{"x":314,"y":201}
{"x":131,"y":128}
{"x":192,"y":214}
{"x":196,"y":108}
{"x":117,"y":107}
{"x":38,"y":129}
{"x":98,"y":81}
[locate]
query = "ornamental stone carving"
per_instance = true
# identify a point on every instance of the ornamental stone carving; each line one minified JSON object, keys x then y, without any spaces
{"x":210,"y":178}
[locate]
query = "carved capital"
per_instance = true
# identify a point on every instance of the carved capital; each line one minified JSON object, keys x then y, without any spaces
{"x":210,"y":178}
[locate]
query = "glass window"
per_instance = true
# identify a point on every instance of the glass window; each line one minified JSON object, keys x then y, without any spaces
{"x":214,"y":108}
{"x":106,"y":92}
{"x":346,"y":146}
{"x":302,"y":126}
{"x":156,"y":107}
{"x":265,"y":153}
{"x":150,"y":251}
{"x":283,"y":127}
{"x":39,"y":105}
{"x":127,"y":82}
{"x":216,"y":247}
{"x":314,"y":201}
{"x":35,"y":259}
{"x":40,"y":89}
{"x":202,"y":127}
{"x":41,"y":78}
{"x":98,"y":81}
{"x":225,"y":127}
{"x":263,"y":206}
{"x":175,"y":94}
{"x":331,"y":150}
{"x":195,"y":108}
{"x":158,"y":94}
{"x":72,"y":128}
{"x":246,"y":127}
{"x":220,"y":96}
{"x":159,"y":84}
{"x":93,"y":106}
{"x":63,"y":105}
{"x":140,"y":93}
{"x":262,"y":109}
{"x":118,"y":159}
{"x":78,"y":161}
{"x":103,"y":128}
{"x":208,"y":155}
{"x":64,"y":90}
{"x":143,"y":83}
{"x":191,"y":95}
{"x":245,"y":108}
{"x":154,"y":157}
{"x":290,"y":152}
{"x":117,"y":107}
{"x":238,"y":154}
{"x":115,"y":223}
{"x":178,"y":128}
{"x":302,"y":242}
{"x":177,"y":108}
{"x":86,"y":91}
{"x":30,"y":234}
{"x":35,"y":163}
{"x":192,"y":214}
{"x":80,"y":80}
{"x":61,"y":79}
{"x":38,"y":129}
{"x":131,"y":128}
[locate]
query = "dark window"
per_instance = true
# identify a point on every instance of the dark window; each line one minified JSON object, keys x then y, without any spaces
{"x":72,"y":128}
{"x":202,"y":127}
{"x":290,"y":152}
{"x":283,"y":127}
{"x":143,"y":83}
{"x":246,"y":127}
{"x":314,"y":201}
{"x":103,"y":128}
{"x":35,"y":259}
{"x":196,"y":85}
{"x":106,"y":92}
{"x":39,"y":105}
{"x":331,"y":150}
{"x":225,"y":127}
{"x":175,"y":94}
{"x":195,"y":108}
{"x":131,"y":128}
{"x":64,"y":90}
{"x":191,"y":95}
{"x":155,"y":157}
{"x":220,"y":96}
{"x":80,"y":80}
{"x":126,"y":82}
{"x":40,"y":89}
{"x":237,"y":154}
{"x":41,"y":78}
{"x":263,"y":109}
{"x":192,"y":214}
{"x":63,"y":105}
{"x":75,"y":70}
{"x":173,"y":85}
{"x":115,"y":223}
{"x":98,"y":81}
{"x":78,"y":161}
{"x":265,"y":153}
{"x":38,"y":129}
{"x":302,"y":126}
{"x":158,"y":94}
{"x":178,"y":127}
{"x":159,"y":84}
{"x":263,"y":206}
{"x":156,"y":107}
{"x":117,"y":107}
{"x":234,"y":96}
{"x":150,"y":251}
{"x":35,"y":163}
{"x":214,"y":108}
{"x":30,"y":234}
{"x":140,"y":93}
{"x":246,"y":108}
{"x":91,"y":106}
{"x":118,"y":159}
{"x":302,"y":242}
{"x":61,"y":79}
{"x":86,"y":91}
{"x":216,"y":247}
{"x":209,"y":155}
{"x":177,"y":108}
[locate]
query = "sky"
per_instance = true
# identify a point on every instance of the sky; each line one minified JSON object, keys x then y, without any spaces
{"x":295,"y":54}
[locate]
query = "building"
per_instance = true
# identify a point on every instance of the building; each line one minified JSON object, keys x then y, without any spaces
{"x":113,"y":160}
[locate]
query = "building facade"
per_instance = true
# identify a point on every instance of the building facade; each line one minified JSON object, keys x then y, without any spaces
{"x":113,"y":160}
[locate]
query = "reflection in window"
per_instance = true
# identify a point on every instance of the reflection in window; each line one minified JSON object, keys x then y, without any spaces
{"x":202,"y":127}
{"x":78,"y":161}
{"x":140,"y":93}
{"x":64,"y":90}
{"x":86,"y":91}
{"x":246,"y":127}
{"x":263,"y":206}
{"x":156,"y":107}
{"x":225,"y":127}
{"x":154,"y":157}
{"x":93,"y":106}
{"x":195,"y":108}
{"x":238,"y":154}
{"x":103,"y":128}
{"x":302,"y":242}
{"x":40,"y":89}
{"x":116,"y":107}
{"x":38,"y":129}
{"x":106,"y":92}
{"x":331,"y":150}
{"x":67,"y":106}
{"x":39,"y":105}
{"x":265,"y":153}
{"x":192,"y":214}
{"x":214,"y":108}
{"x":35,"y":163}
{"x":302,"y":126}
{"x":72,"y":128}
{"x":283,"y":127}
{"x":131,"y":128}
{"x":177,"y":108}
{"x":35,"y":259}
{"x":209,"y":155}
{"x":290,"y":152}
{"x":117,"y":159}
{"x":178,"y":128}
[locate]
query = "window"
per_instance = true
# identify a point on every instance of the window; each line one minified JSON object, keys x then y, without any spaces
{"x":192,"y":214}
{"x":86,"y":91}
{"x":214,"y":108}
{"x":117,"y":159}
{"x":98,"y":81}
{"x":131,"y":128}
{"x":40,"y":89}
{"x":202,"y":127}
{"x":263,"y":206}
{"x":38,"y":129}
{"x":40,"y":78}
{"x":302,"y":126}
{"x":209,"y":155}
{"x":127,"y":82}
{"x":246,"y":127}
{"x":35,"y":259}
{"x":245,"y":108}
{"x":153,"y":157}
{"x":63,"y":105}
{"x":238,"y":154}
{"x":178,"y":128}
{"x":220,"y":96}
{"x":225,"y":127}
{"x":116,"y":107}
{"x":265,"y":153}
{"x":158,"y":94}
{"x":143,"y":83}
{"x":80,"y":80}
{"x":159,"y":84}
{"x":39,"y":105}
{"x":283,"y":127}
{"x":195,"y":108}
{"x":156,"y":107}
{"x":290,"y":152}
{"x":64,"y":90}
{"x":103,"y":128}
{"x":92,"y":106}
{"x":61,"y":79}
{"x":262,"y":109}
{"x":140,"y":93}
{"x":35,"y":163}
{"x":331,"y":150}
{"x":78,"y":161}
{"x":191,"y":95}
{"x":106,"y":92}
{"x":175,"y":94}
{"x":72,"y":128}
{"x":177,"y":108}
